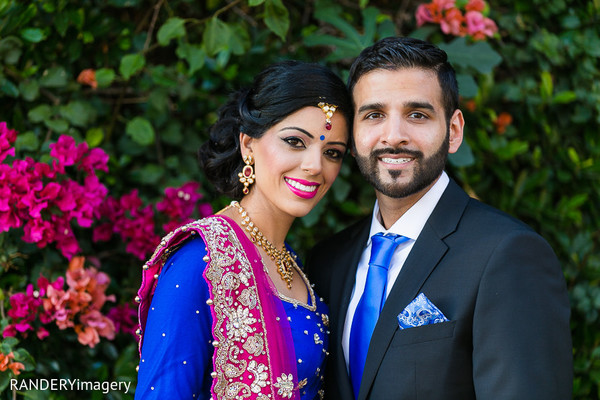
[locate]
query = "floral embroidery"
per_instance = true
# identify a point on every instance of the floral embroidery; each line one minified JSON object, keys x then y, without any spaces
{"x":242,"y":359}
{"x":239,"y":323}
{"x":325,"y":319}
{"x":285,"y":383}
{"x":255,"y":344}
{"x":260,"y":376}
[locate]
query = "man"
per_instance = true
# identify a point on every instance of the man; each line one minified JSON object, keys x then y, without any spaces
{"x":471,"y":303}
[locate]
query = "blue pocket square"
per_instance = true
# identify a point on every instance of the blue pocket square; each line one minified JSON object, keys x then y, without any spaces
{"x":420,"y":311}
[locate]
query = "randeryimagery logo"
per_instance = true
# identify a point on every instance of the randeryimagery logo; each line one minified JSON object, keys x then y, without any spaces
{"x":64,"y":385}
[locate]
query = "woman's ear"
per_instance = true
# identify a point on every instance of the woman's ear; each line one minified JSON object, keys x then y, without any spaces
{"x":245,"y":144}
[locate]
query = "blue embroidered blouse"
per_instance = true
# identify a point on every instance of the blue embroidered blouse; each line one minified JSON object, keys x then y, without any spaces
{"x":176,"y":357}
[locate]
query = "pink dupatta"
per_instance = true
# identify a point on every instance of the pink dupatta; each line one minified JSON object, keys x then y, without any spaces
{"x":254,"y":354}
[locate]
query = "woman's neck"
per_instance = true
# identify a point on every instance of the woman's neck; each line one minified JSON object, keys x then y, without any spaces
{"x":273,"y":224}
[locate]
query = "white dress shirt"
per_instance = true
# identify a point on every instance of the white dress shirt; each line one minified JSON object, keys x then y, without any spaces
{"x":410,"y":225}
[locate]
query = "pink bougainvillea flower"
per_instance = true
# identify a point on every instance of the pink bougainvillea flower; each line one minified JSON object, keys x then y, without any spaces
{"x":88,"y":77}
{"x":64,"y":150}
{"x":453,"y":23}
{"x":478,"y":26}
{"x":95,"y":159}
{"x":7,"y":138}
{"x":124,"y":318}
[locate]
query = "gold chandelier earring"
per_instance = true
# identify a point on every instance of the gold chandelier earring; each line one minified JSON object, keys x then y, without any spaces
{"x":247,"y":176}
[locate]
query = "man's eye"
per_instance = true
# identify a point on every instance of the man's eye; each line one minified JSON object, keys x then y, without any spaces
{"x":417,"y":115}
{"x":373,"y":115}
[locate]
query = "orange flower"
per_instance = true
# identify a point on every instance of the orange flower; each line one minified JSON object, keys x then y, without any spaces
{"x":471,"y":105}
{"x":475,"y":5}
{"x":88,"y":77}
{"x":5,"y":363}
{"x":503,"y":120}
{"x":87,"y":336}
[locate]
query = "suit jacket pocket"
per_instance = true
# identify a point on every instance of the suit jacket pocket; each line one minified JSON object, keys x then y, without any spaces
{"x":426,"y":333}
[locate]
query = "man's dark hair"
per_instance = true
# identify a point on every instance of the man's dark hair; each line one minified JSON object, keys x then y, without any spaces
{"x":394,"y":53}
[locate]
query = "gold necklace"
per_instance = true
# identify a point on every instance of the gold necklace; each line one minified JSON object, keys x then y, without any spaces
{"x":283,"y":258}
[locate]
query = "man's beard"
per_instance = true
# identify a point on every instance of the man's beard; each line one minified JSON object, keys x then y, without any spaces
{"x":426,"y":171}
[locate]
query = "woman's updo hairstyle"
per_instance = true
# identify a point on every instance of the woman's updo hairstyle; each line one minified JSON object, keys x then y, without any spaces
{"x":278,"y":91}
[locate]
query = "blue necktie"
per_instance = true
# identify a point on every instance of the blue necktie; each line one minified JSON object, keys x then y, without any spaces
{"x":371,"y":303}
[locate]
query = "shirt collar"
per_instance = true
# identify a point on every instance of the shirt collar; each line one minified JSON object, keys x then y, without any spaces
{"x":411,"y":223}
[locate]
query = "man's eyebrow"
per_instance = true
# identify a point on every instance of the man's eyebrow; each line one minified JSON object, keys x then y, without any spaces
{"x":369,"y":107}
{"x":419,"y":104}
{"x":297,"y":129}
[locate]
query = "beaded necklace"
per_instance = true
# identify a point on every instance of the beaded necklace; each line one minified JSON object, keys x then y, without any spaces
{"x":283,"y":258}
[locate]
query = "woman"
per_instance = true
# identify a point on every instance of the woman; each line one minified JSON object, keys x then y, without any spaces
{"x":224,"y":308}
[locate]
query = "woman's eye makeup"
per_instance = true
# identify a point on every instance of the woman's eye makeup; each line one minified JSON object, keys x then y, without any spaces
{"x":294,"y":141}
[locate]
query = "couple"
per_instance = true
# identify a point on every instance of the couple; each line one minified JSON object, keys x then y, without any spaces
{"x":435,"y":296}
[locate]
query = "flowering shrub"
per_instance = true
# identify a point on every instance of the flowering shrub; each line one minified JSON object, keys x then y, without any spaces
{"x":43,"y":199}
{"x":51,"y":204}
{"x":77,"y":307}
{"x":455,"y":20}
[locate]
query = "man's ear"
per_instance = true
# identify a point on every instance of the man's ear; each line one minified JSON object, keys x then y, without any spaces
{"x":457,"y":124}
{"x":245,"y":144}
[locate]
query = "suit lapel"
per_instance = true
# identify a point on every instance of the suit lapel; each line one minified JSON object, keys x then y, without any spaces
{"x":341,"y":290}
{"x":425,"y":255}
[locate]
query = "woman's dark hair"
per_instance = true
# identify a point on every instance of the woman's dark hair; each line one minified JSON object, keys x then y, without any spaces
{"x":278,"y":91}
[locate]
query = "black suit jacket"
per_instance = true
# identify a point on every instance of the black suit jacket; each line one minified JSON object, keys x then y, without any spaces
{"x":499,"y":284}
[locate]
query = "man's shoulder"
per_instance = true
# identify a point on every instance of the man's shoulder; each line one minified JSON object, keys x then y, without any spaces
{"x":346,"y":236}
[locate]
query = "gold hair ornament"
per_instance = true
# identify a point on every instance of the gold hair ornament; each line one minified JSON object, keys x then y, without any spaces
{"x":328,"y":109}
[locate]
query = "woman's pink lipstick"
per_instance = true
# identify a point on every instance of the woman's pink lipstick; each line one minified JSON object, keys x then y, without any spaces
{"x":302,"y":188}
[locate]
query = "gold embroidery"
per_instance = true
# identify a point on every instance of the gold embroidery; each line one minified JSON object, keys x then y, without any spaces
{"x":285,"y":383}
{"x":255,"y":345}
{"x":237,"y":312}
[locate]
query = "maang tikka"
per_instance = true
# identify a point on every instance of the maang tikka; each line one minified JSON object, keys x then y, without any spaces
{"x":328,"y":109}
{"x":247,"y":176}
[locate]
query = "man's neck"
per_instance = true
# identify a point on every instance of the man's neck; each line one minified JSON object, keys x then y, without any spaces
{"x":391,"y":209}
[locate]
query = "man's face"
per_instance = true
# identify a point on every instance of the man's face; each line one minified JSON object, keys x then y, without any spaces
{"x":401,"y":135}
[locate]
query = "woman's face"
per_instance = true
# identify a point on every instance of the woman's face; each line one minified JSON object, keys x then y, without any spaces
{"x":297,"y":160}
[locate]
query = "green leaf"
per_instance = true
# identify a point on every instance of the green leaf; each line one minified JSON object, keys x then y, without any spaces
{"x":239,"y":40}
{"x":479,"y":56}
{"x":33,"y":35}
{"x":141,"y":131}
{"x":340,"y":188}
{"x":27,"y":141}
{"x":254,"y":3}
{"x":55,"y":77}
{"x":8,"y":88}
{"x":463,"y":157}
{"x":546,"y":85}
{"x":105,"y":77}
{"x":30,"y":90}
{"x":149,"y":174}
{"x":131,"y":64}
{"x":193,"y":54}
{"x":40,"y":113}
{"x":77,"y":113}
{"x":277,"y":17}
{"x":216,"y":36}
{"x":10,"y":49}
{"x":173,"y":28}
{"x":467,"y":85}
{"x":566,"y":96}
{"x":57,"y":125}
{"x":94,"y":137}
